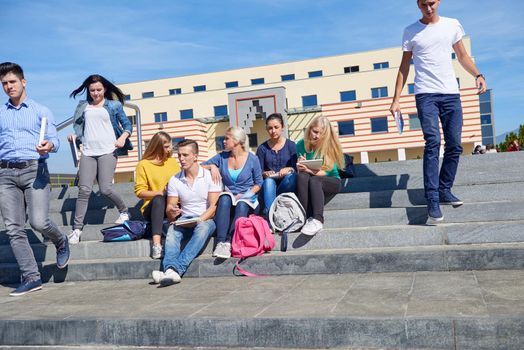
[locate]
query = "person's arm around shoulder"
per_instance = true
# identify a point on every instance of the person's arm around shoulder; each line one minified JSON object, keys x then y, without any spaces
{"x":467,"y":63}
{"x":213,"y":164}
{"x":402,"y":76}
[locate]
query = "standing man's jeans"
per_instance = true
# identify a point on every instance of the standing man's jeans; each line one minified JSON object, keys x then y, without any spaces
{"x":20,"y":188}
{"x":198,"y":236}
{"x":448,"y":108}
{"x":271,"y":187}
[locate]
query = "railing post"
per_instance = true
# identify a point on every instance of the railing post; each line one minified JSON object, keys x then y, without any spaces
{"x":138,"y":127}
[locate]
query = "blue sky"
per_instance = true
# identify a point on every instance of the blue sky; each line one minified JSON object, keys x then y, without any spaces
{"x":60,"y":42}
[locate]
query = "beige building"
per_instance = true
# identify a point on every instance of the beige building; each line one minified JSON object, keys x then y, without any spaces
{"x":353,"y":90}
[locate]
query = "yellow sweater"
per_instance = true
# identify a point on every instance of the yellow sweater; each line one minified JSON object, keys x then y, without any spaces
{"x":154,"y":177}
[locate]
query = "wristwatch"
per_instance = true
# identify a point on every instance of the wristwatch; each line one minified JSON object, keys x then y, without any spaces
{"x":480,"y":75}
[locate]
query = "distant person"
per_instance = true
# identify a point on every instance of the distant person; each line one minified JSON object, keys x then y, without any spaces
{"x":490,"y":148}
{"x":430,"y":42}
{"x":24,"y":177}
{"x":152,"y":175}
{"x":477,"y":150}
{"x":196,"y":193}
{"x":239,"y":170}
{"x":103,"y":129}
{"x":514,"y":146}
{"x":278,"y":160}
{"x":316,"y":186}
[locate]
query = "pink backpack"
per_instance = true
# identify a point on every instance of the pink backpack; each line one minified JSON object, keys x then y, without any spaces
{"x":252,"y":237}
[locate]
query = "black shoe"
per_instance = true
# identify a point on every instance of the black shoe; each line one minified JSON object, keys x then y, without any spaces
{"x":62,"y":254}
{"x":447,"y":198}
{"x":26,"y":287}
{"x":434,"y":213}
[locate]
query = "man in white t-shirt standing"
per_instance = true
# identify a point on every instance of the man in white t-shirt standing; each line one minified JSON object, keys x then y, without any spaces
{"x":197,"y":195}
{"x":430,"y":42}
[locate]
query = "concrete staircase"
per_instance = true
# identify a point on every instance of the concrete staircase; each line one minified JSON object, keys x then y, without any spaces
{"x":377,"y":225}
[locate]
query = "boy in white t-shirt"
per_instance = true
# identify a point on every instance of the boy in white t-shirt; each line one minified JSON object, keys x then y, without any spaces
{"x":430,"y":42}
{"x":197,"y":195}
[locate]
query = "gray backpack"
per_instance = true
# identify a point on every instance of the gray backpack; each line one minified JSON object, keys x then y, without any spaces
{"x":286,"y":214}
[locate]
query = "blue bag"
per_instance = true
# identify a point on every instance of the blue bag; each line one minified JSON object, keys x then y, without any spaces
{"x":128,"y":231}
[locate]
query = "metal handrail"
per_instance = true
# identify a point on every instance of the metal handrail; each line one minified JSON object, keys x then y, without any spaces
{"x":64,"y":124}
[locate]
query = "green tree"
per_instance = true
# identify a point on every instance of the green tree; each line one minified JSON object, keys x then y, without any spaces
{"x":503,"y":146}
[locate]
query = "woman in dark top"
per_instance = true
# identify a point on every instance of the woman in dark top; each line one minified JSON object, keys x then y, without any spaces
{"x":278,"y":160}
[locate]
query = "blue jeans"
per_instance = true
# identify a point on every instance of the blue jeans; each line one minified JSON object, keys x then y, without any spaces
{"x":198,"y":236}
{"x":225,"y":223}
{"x":447,"y":108}
{"x":21,"y":189}
{"x":272,"y":187}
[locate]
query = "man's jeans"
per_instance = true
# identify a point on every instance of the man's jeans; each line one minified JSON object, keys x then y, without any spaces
{"x":198,"y":236}
{"x":20,"y":188}
{"x":430,"y":108}
{"x":272,"y":187}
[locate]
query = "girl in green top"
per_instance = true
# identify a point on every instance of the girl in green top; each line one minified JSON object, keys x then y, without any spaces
{"x":314,"y":186}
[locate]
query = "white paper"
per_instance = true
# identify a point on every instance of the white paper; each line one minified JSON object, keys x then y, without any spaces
{"x":400,"y":122}
{"x":43,"y":128}
{"x":313,"y":164}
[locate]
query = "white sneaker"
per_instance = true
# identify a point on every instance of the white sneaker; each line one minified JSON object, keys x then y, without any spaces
{"x":74,"y":236}
{"x":312,"y":227}
{"x":157,"y":276}
{"x":156,"y":251}
{"x":170,"y":277}
{"x":222,"y":250}
{"x":124,"y":216}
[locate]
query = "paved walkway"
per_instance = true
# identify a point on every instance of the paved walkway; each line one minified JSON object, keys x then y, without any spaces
{"x":386,"y":295}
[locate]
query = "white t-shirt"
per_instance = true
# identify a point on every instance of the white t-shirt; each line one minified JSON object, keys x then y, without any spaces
{"x":99,"y":137}
{"x":192,"y":199}
{"x":432,"y":46}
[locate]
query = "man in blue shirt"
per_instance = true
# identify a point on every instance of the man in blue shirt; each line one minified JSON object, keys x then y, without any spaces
{"x":24,"y":178}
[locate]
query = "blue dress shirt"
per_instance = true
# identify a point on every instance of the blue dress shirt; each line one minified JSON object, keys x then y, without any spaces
{"x":20,"y":130}
{"x":275,"y":161}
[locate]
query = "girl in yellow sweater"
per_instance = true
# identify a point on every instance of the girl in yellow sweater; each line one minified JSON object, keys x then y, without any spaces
{"x":152,"y":175}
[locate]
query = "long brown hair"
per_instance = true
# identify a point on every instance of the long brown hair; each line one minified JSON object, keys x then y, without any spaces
{"x":328,"y":146}
{"x":155,"y":148}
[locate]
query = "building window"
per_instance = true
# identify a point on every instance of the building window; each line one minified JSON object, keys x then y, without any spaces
{"x":253,"y":140}
{"x":287,"y":77}
{"x":458,"y":82}
{"x":411,"y":89}
{"x":411,"y":62}
{"x":379,"y":92}
{"x":350,"y":95}
{"x":314,"y":74}
{"x":453,"y":55}
{"x":186,"y":114}
{"x":177,"y":91}
{"x":148,"y":94}
{"x":309,"y":101}
{"x":351,"y":69}
{"x":381,"y":65}
{"x":160,"y":117}
{"x":379,"y":124}
{"x":257,"y":81}
{"x":175,"y":141}
{"x":231,"y":84}
{"x":414,"y":122}
{"x":219,"y":143}
{"x":346,"y":128}
{"x":485,"y":119}
{"x":199,"y":88}
{"x":220,"y":110}
{"x":132,"y":119}
{"x":127,"y":97}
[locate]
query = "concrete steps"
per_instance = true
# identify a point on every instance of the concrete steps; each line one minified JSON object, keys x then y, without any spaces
{"x":376,"y":277}
{"x":407,"y":310}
